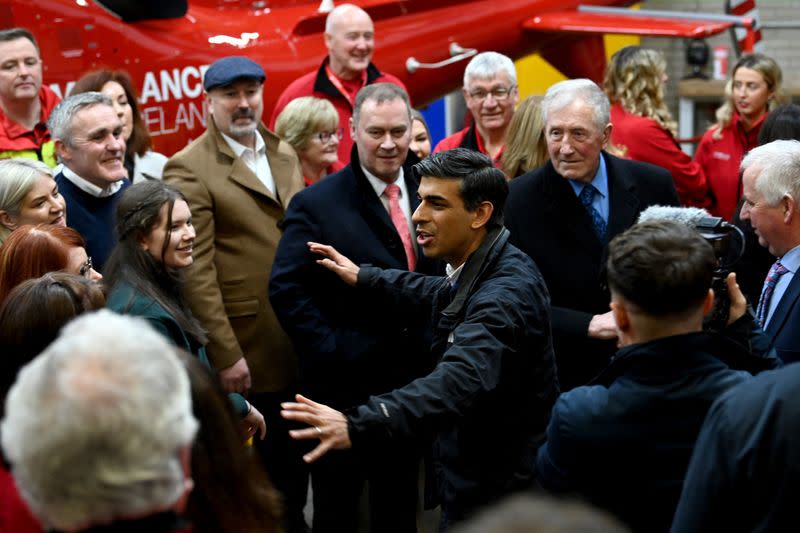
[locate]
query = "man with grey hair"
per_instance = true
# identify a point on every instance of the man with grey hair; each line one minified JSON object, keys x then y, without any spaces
{"x":771,"y":192}
{"x":350,"y":40}
{"x":89,"y":143}
{"x":351,"y":346}
{"x":491,"y":94}
{"x":564,"y":214}
{"x":98,"y":429}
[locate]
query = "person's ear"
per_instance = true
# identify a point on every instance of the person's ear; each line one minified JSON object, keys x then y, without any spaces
{"x":607,"y":135}
{"x":481,"y":215}
{"x":61,"y":150}
{"x":185,"y":458}
{"x":789,"y":208}
{"x":7,"y":220}
{"x":620,"y":314}
{"x":708,"y":303}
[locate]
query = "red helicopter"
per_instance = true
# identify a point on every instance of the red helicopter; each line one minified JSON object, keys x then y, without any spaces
{"x":166,"y":45}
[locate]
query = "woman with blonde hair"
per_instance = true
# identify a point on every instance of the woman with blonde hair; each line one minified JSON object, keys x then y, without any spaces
{"x":643,"y":126}
{"x":28,"y":195}
{"x":311,"y":126}
{"x":526,"y":147}
{"x":753,"y":90}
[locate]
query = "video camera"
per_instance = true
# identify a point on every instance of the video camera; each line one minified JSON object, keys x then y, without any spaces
{"x":720,"y":235}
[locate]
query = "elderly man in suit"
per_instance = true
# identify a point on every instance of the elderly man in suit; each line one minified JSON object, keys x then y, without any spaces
{"x":238,"y":178}
{"x":353,"y":345}
{"x":564,"y":214}
{"x":771,"y":191}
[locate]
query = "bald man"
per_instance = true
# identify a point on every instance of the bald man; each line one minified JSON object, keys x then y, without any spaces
{"x":350,"y":40}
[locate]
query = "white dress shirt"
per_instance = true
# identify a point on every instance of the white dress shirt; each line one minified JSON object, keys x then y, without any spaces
{"x":255,"y":160}
{"x":91,"y":188}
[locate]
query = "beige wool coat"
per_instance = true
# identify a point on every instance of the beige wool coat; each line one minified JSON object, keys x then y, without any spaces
{"x":236,"y":219}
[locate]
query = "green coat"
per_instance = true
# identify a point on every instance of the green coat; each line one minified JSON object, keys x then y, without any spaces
{"x":125,"y":300}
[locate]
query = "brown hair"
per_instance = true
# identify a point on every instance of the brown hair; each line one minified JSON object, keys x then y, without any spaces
{"x":32,"y":251}
{"x":140,"y":141}
{"x":33,"y":314}
{"x":232,"y":493}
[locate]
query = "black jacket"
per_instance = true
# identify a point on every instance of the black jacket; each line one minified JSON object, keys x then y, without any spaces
{"x":624,"y":441}
{"x":745,"y":471}
{"x":488,"y":400}
{"x":549,"y":223}
{"x":349,"y":344}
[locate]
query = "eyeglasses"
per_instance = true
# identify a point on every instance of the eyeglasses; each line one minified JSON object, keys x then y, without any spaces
{"x":86,"y":268}
{"x":325,"y":136}
{"x":500,"y":94}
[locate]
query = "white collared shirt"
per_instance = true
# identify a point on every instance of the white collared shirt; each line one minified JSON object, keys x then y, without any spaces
{"x":91,"y":188}
{"x":255,"y":160}
{"x":405,"y":204}
{"x":453,"y":273}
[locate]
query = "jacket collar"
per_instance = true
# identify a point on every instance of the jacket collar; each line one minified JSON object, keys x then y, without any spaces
{"x":323,"y":85}
{"x":476,"y":265}
{"x":280,"y":164}
{"x":662,"y":357}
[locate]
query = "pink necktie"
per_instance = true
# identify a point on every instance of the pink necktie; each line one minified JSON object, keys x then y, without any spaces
{"x":400,"y":223}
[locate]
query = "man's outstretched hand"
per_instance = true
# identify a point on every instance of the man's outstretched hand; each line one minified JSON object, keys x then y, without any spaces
{"x":336,"y":262}
{"x":327,"y":424}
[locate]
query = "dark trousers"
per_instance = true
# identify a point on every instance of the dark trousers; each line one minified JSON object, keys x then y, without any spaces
{"x":282,"y":458}
{"x":337,"y":481}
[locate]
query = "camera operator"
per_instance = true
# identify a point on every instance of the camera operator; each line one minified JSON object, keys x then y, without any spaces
{"x":624,"y":441}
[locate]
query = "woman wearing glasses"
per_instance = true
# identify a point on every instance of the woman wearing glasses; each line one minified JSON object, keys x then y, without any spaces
{"x":146,"y":273}
{"x":28,"y":195}
{"x":643,"y":126}
{"x":33,"y":251}
{"x":311,"y":126}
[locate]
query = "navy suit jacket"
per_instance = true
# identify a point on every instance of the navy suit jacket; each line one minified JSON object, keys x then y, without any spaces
{"x":350,"y":344}
{"x":548,"y":222}
{"x":784,"y":326}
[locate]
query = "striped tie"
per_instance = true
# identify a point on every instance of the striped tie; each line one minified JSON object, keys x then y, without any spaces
{"x":774,"y":275}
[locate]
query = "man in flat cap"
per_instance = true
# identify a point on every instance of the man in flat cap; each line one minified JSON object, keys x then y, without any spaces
{"x":238,"y":178}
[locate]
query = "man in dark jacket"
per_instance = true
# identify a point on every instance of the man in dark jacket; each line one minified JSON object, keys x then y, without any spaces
{"x":624,"y":441}
{"x":745,"y":470}
{"x":565,"y":213}
{"x":486,"y":402}
{"x":351,"y":346}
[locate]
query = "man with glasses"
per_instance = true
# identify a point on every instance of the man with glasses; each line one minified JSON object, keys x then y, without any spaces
{"x":490,"y":91}
{"x":238,"y":178}
{"x":352,"y":345}
{"x":350,"y":40}
{"x":25,"y":104}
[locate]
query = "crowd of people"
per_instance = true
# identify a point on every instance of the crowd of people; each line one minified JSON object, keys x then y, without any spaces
{"x":191,"y":342}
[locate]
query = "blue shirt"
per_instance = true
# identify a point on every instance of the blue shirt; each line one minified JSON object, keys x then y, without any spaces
{"x":791,"y":260}
{"x":600,"y":182}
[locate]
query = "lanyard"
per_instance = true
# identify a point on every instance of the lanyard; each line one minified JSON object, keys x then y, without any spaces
{"x":338,"y":84}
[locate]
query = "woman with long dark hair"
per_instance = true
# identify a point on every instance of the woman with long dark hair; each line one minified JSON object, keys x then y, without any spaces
{"x":145,"y":272}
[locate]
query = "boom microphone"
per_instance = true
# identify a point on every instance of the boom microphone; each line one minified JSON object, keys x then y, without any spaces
{"x":717,"y":232}
{"x":688,"y":216}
